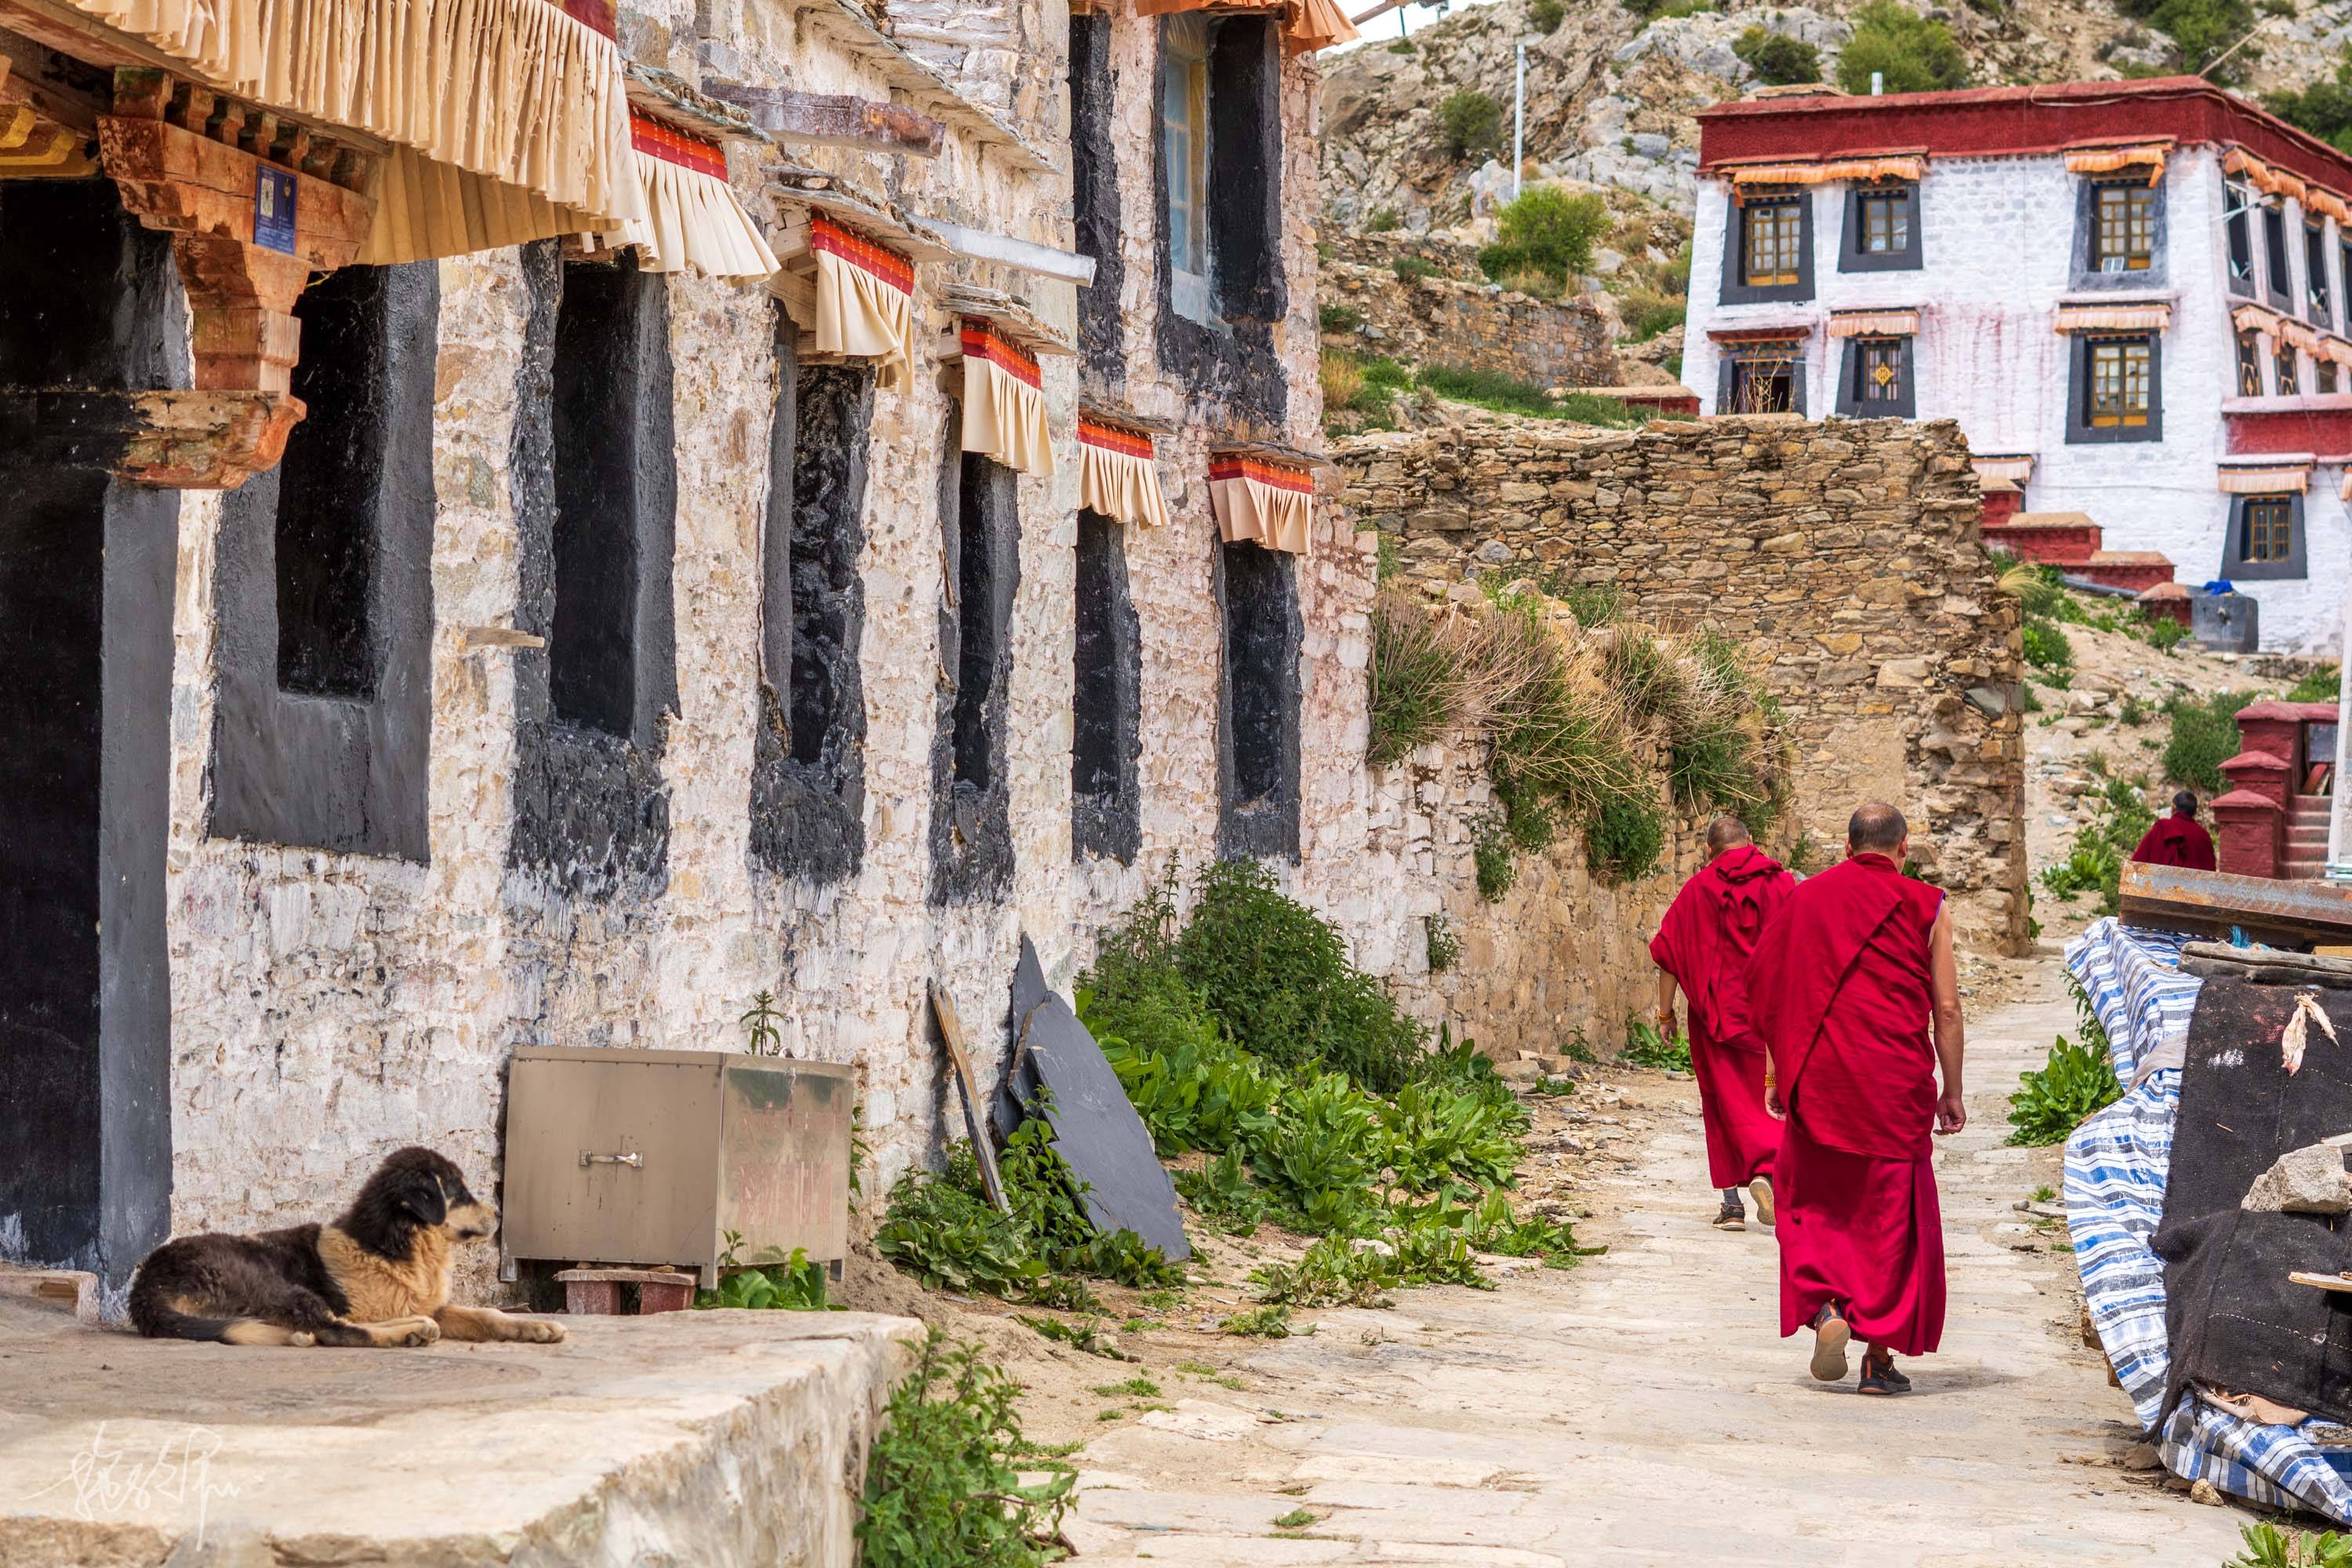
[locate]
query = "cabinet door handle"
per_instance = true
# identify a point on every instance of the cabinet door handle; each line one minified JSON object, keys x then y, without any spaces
{"x":635,"y":1162}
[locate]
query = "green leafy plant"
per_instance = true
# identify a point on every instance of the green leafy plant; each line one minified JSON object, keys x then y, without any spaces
{"x":1296,"y":1518}
{"x":1384,"y":220}
{"x":1546,"y":230}
{"x":942,"y":1489}
{"x":2204,"y":736}
{"x":2268,"y":1546}
{"x":2050,"y":1102}
{"x":1646,"y":1047}
{"x":2165,"y":634}
{"x":1334,"y":1271}
{"x":941,"y":1230}
{"x":1472,"y":124}
{"x":1624,"y":839}
{"x":1436,"y":1137}
{"x":1412,"y":269}
{"x":1267,"y":1322}
{"x":761,"y":1021}
{"x":1440,"y":945}
{"x":1778,"y":58}
{"x":792,"y":1284}
{"x":1335,"y":316}
{"x":1491,"y":853}
{"x":1546,"y":16}
{"x":1910,"y":52}
{"x":2046,"y":647}
{"x":2321,"y":685}
{"x":1222,"y":1192}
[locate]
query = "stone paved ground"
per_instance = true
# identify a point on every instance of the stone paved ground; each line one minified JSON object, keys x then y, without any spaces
{"x":1641,"y":1409}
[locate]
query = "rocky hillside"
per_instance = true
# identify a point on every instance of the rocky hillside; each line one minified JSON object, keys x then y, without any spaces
{"x":1611,"y":97}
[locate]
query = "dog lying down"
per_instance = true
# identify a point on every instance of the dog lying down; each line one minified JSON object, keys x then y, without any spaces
{"x":377,"y":1276}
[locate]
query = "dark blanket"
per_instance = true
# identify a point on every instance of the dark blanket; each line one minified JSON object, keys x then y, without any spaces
{"x":2234,"y":1321}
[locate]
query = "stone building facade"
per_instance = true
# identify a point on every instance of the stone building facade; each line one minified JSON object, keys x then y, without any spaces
{"x":1845,"y":553}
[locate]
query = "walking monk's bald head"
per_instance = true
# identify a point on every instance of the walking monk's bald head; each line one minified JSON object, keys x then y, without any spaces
{"x":1726,"y":832}
{"x":1876,"y":828}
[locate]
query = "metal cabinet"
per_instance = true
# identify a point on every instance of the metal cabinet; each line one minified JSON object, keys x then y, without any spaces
{"x":652,"y":1157}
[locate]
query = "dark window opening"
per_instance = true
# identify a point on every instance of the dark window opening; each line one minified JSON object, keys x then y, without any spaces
{"x":2275,"y":248}
{"x":2328,"y":382}
{"x":2238,"y":202}
{"x":1885,"y":222}
{"x":2123,"y":236}
{"x":592,"y":653}
{"x":2114,"y":388}
{"x":1762,"y":378}
{"x":981,"y":552}
{"x":324,"y":587}
{"x":808,"y":789}
{"x":2250,"y":363}
{"x":327,"y":489}
{"x":1259,"y":737}
{"x":2266,"y":529}
{"x":2314,"y":265}
{"x":1878,"y":371}
{"x":1106,"y":730}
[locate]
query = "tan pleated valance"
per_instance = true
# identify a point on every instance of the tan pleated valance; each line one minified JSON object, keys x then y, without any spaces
{"x":2017,"y":469}
{"x":1901,"y":167}
{"x":2273,"y":182}
{"x":2327,"y":204}
{"x":1003,"y":401}
{"x":864,"y":301}
{"x":2276,"y":479}
{"x":2336,"y":351}
{"x":508,"y":118}
{"x":2301,"y":336}
{"x":1873,"y":323}
{"x":1306,"y":25}
{"x":2256,"y":319}
{"x":2145,"y":316}
{"x":1254,"y":498}
{"x":1117,"y":476}
{"x":2109,"y":160}
{"x":692,"y":218}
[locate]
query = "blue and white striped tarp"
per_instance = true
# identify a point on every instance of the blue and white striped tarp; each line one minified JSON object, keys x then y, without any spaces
{"x":2117,"y":1163}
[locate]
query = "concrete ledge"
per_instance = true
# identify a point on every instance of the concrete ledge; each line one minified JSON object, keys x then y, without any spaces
{"x":712,"y":1438}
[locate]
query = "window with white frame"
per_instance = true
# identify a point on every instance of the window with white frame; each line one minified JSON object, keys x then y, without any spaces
{"x":2238,"y":222}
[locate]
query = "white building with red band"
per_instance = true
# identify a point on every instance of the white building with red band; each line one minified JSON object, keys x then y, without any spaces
{"x":2132,"y":296}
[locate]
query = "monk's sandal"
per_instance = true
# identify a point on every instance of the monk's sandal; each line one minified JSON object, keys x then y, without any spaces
{"x":1879,"y":1376}
{"x":1730,"y":1216}
{"x":1832,"y":1333}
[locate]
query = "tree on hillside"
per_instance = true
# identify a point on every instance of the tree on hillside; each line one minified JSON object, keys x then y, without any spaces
{"x":1778,"y":58}
{"x":1911,"y":52}
{"x":1473,"y":121}
{"x":1546,"y":230}
{"x":2204,"y":30}
{"x":2323,"y":109}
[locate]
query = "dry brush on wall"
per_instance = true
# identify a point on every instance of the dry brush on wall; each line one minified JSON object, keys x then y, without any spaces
{"x":1841,"y":558}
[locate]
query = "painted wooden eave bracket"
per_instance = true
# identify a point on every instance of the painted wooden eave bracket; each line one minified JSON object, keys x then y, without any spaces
{"x":210,"y":440}
{"x":1010,"y":314}
{"x":834,"y":120}
{"x":667,"y":96}
{"x":798,"y":190}
{"x":217,"y":175}
{"x":846,"y":23}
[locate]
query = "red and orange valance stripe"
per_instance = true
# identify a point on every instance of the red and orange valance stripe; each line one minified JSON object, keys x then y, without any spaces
{"x":870,"y":256}
{"x":1259,"y":499}
{"x":981,"y":341}
{"x":1004,"y":400}
{"x":692,"y":218}
{"x":1118,"y":475}
{"x":655,"y":140}
{"x":864,"y":301}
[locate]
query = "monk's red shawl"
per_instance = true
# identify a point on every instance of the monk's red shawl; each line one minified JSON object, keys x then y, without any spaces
{"x":1709,"y":931}
{"x":1839,"y":987}
{"x":2176,"y":841}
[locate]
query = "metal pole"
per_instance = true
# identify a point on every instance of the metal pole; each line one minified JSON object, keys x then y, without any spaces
{"x":1519,"y":122}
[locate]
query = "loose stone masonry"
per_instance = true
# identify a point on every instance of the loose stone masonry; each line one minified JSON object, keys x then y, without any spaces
{"x":1845,"y":553}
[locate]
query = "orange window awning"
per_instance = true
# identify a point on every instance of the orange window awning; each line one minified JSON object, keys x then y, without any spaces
{"x":864,"y":301}
{"x":1873,"y":323}
{"x":2130,"y":316}
{"x":692,"y":218}
{"x":2109,"y":158}
{"x":1003,"y":401}
{"x":1256,"y":498}
{"x":1119,"y":473}
{"x":1306,"y":25}
{"x":1896,"y":166}
{"x":2276,"y":479}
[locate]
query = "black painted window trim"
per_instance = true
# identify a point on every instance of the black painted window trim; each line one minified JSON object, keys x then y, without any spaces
{"x":2080,"y":431}
{"x":1849,"y":391}
{"x":2235,"y":567}
{"x":2087,"y":277}
{"x":1736,"y":287}
{"x":1799,"y":368}
{"x":2277,"y":262}
{"x":1851,"y":257}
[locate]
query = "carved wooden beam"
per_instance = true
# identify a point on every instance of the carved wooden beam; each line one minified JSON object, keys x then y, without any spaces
{"x":174,"y":440}
{"x":835,"y":120}
{"x":249,"y":224}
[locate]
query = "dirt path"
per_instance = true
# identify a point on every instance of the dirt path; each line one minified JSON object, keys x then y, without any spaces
{"x":1642,"y":1408}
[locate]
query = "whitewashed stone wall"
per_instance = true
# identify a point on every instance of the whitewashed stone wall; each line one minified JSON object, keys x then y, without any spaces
{"x":1997,"y":236}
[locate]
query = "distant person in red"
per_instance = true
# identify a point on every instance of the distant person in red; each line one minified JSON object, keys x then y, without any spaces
{"x":1703,"y":945}
{"x":1842,"y":988}
{"x":2179,"y":839}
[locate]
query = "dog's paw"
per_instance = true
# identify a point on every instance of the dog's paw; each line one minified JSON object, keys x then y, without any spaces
{"x":411,"y":1330}
{"x":301,"y":1341}
{"x":537,"y":1331}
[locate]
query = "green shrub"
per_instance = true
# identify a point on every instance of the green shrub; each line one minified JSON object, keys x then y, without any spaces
{"x":1261,"y":1322}
{"x":1222,"y":1192}
{"x":2101,"y":847}
{"x":2164,"y":634}
{"x":2204,"y":736}
{"x":1913,"y":53}
{"x":2268,"y":1546}
{"x":1193,"y":1088}
{"x":1496,"y":861}
{"x":1336,"y":317}
{"x":1508,"y":394}
{"x":943,"y":1479}
{"x":1473,"y":122}
{"x":1646,"y":1047}
{"x":2324,"y":684}
{"x":1386,"y":374}
{"x":2203,"y":30}
{"x":1436,"y":1137}
{"x":1384,"y":220}
{"x":942,"y":1229}
{"x":2046,"y":647}
{"x":1277,"y":977}
{"x":1546,"y":16}
{"x":1648,"y":312}
{"x":1412,"y":269}
{"x":1778,"y":58}
{"x":2050,"y":1102}
{"x":792,"y":1284}
{"x":2323,"y":109}
{"x":1440,"y":945}
{"x":1546,"y":230}
{"x":1624,"y":839}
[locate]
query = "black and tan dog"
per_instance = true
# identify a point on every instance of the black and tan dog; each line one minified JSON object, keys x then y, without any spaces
{"x":377,"y":1276}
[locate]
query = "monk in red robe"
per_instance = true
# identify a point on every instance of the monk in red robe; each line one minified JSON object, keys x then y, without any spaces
{"x":1703,"y":945}
{"x":1843,"y":987}
{"x":2179,"y":839}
